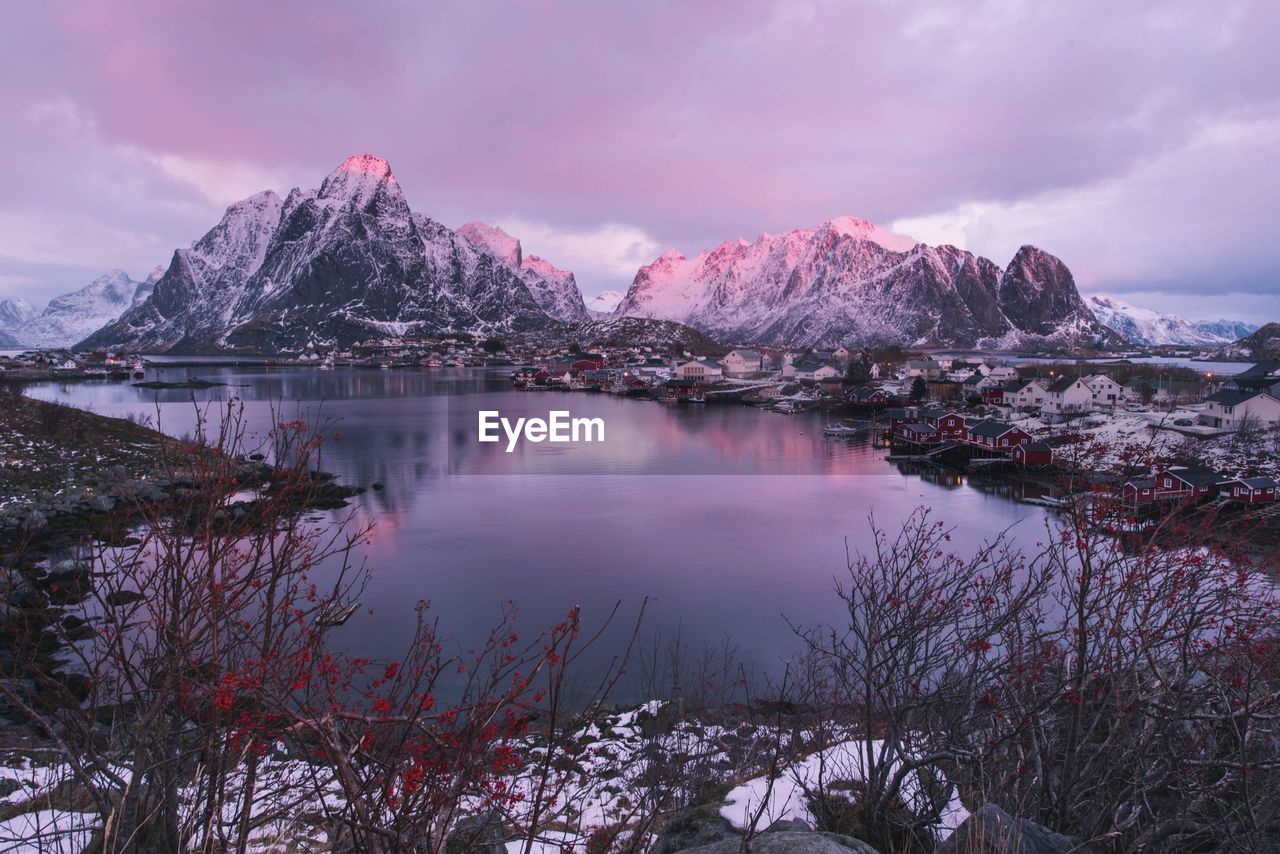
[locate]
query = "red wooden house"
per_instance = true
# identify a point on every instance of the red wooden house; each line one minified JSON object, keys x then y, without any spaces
{"x":951,"y":425}
{"x":996,"y":436}
{"x":1140,"y":490}
{"x":1249,"y":490}
{"x":1032,"y":454}
{"x":918,"y":433}
{"x":1179,"y":483}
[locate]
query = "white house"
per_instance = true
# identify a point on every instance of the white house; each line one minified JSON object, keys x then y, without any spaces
{"x":1230,"y":408}
{"x":811,"y":370}
{"x":927,"y":368}
{"x":1106,"y":391}
{"x":1001,"y":373}
{"x":741,"y":363}
{"x":704,"y":370}
{"x":1067,"y":398}
{"x":1022,"y":394}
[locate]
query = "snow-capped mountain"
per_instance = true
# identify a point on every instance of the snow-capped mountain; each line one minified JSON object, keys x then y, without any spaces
{"x":1145,"y":326}
{"x":15,"y":312}
{"x":72,"y":316}
{"x":604,"y":303}
{"x":555,"y":290}
{"x":343,"y":263}
{"x":850,"y":282}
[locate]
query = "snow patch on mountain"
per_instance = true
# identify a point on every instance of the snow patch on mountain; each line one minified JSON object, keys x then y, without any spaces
{"x":1146,"y":326}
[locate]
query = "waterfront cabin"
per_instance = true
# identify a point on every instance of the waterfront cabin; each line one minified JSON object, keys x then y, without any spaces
{"x":682,"y":387}
{"x":1249,"y":490}
{"x":1032,"y":454}
{"x":996,"y":436}
{"x":1139,"y":490}
{"x":918,"y":433}
{"x":951,"y":425}
{"x":1186,"y":483}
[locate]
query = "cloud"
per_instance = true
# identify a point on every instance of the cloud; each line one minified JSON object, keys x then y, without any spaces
{"x":1090,"y":127}
{"x":1163,"y":226}
{"x":603,"y":257}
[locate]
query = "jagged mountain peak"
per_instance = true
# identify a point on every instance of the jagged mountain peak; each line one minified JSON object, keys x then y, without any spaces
{"x":861,"y":229}
{"x":344,"y":263}
{"x":493,"y":238}
{"x":361,"y":179}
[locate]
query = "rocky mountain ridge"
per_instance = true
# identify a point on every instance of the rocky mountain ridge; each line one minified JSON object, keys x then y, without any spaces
{"x":849,"y":282}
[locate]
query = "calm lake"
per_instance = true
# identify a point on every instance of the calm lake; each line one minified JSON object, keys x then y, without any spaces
{"x":731,"y":519}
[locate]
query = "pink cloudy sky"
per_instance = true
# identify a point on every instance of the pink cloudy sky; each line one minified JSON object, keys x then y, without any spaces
{"x":1138,"y":141}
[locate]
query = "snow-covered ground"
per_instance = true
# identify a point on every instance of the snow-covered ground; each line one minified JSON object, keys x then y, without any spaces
{"x":624,"y":754}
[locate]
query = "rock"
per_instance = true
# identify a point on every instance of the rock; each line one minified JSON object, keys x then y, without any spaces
{"x":696,"y":826}
{"x":376,"y":487}
{"x":789,"y":842}
{"x":478,"y":834}
{"x":793,"y":825}
{"x":993,"y":829}
{"x":8,"y":786}
{"x":35,"y":522}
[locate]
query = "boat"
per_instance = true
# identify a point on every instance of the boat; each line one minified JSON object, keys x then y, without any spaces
{"x":1047,"y":501}
{"x":139,"y":371}
{"x":842,"y":430}
{"x":697,"y":398}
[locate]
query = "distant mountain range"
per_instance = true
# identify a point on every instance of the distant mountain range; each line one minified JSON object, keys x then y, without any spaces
{"x":350,"y":261}
{"x":850,"y":282}
{"x":1144,"y":326}
{"x":72,"y":316}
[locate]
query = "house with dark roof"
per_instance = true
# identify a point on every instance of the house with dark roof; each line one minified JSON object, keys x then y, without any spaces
{"x":996,"y":436}
{"x":1182,"y":482}
{"x":918,"y":433}
{"x":1032,"y":454}
{"x":1229,"y":408}
{"x":742,"y":363}
{"x":866,"y":396}
{"x":1067,"y":397}
{"x":1249,"y":490}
